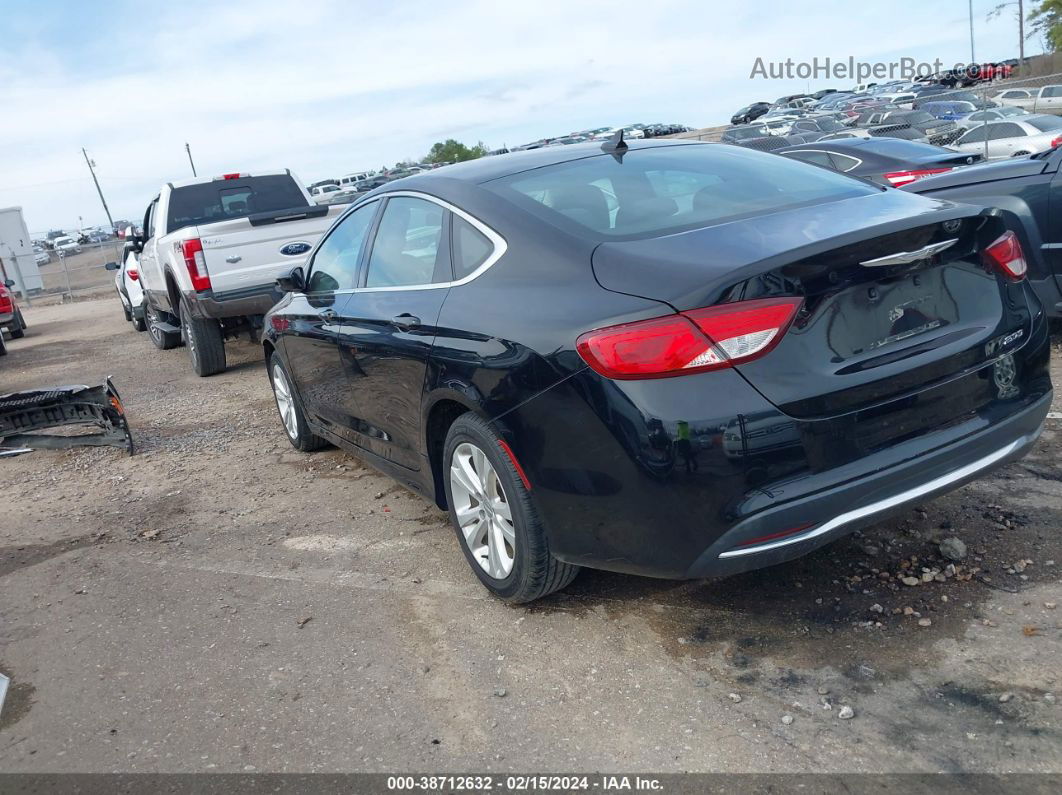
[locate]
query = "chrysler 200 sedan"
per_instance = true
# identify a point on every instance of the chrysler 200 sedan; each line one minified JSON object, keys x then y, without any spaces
{"x":671,"y":359}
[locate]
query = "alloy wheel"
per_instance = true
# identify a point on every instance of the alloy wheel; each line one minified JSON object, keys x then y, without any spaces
{"x":285,"y":402}
{"x":483,"y":512}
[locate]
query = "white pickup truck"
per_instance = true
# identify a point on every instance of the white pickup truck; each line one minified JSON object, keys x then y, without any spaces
{"x":1048,"y":99}
{"x":210,"y":253}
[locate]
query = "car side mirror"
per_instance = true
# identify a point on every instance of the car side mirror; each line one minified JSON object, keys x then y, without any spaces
{"x":294,"y":281}
{"x":112,"y":266}
{"x":9,"y":283}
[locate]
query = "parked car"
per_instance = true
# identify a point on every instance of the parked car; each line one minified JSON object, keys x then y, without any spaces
{"x":10,"y":313}
{"x":348,"y":180}
{"x":210,"y":253}
{"x":953,"y":96}
{"x":948,"y":111}
{"x":936,"y":131}
{"x":750,"y":112}
{"x":41,"y":256}
{"x":903,"y":99}
{"x":821,"y":126}
{"x":1019,"y":136}
{"x":756,"y":136}
{"x":1047,"y":99}
{"x":886,"y":161}
{"x":1004,"y":112}
{"x":323,"y":194}
{"x":406,"y":340}
{"x":1027,"y":192}
{"x":65,"y":246}
{"x":127,"y":284}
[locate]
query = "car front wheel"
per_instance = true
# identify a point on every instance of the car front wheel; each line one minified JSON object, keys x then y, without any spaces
{"x":495,"y":518}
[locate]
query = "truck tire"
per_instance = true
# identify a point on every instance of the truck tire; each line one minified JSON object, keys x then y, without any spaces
{"x":3,"y":344}
{"x":206,"y":345}
{"x":18,"y":326}
{"x":160,"y":338}
{"x":140,"y":323}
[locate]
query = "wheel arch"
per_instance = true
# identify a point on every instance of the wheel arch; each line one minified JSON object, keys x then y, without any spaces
{"x":441,"y":407}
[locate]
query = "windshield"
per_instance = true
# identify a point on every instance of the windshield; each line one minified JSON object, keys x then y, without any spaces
{"x":224,"y":199}
{"x":670,"y":188}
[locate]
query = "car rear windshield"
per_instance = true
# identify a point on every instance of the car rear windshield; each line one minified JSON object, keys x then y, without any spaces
{"x":224,"y":199}
{"x":650,"y":192}
{"x":1046,"y":123}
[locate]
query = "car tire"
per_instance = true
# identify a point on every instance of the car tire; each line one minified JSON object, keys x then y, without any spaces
{"x":126,"y":312}
{"x":205,"y":343}
{"x":160,"y":338}
{"x":18,"y":326}
{"x":292,"y":417}
{"x":509,"y":554}
{"x":3,"y":344}
{"x":139,"y":323}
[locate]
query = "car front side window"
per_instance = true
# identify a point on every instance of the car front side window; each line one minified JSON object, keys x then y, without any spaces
{"x":335,"y":264}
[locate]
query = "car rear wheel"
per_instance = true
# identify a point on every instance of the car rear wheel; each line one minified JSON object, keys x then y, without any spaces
{"x":206,"y":345}
{"x":292,"y":417}
{"x":161,"y":338}
{"x":18,"y":326}
{"x":495,"y":518}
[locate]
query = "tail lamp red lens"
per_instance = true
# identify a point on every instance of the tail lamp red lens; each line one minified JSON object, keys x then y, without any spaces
{"x":195,"y":261}
{"x":1005,"y":255}
{"x":898,"y":178}
{"x":689,"y":342}
{"x":132,"y":274}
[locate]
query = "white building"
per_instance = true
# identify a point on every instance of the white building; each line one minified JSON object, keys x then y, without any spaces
{"x":16,"y":252}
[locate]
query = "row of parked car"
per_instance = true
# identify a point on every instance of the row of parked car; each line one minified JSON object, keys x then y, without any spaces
{"x":630,"y":131}
{"x":537,"y":344}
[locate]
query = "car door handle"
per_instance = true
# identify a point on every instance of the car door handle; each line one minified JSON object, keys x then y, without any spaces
{"x":328,"y":315}
{"x":233,"y":259}
{"x":406,"y":321}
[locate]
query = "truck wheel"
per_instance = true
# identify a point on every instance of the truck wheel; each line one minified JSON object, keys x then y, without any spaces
{"x":495,"y":517}
{"x":161,"y":338}
{"x":18,"y":326}
{"x":138,"y":321}
{"x":292,"y":417}
{"x":206,"y":346}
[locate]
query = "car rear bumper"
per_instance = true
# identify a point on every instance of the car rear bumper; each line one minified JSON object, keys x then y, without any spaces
{"x":829,"y":514}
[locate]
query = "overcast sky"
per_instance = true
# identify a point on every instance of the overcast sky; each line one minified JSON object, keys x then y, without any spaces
{"x":326,"y":87}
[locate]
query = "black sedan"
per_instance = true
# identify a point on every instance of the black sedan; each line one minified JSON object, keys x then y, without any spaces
{"x":887,"y":161}
{"x":1027,"y":191}
{"x":750,"y":112}
{"x":673,"y":359}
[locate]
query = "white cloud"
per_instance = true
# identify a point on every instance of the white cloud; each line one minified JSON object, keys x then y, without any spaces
{"x":325,"y":87}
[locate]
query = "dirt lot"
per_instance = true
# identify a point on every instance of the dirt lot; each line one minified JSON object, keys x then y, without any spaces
{"x":221,"y":602}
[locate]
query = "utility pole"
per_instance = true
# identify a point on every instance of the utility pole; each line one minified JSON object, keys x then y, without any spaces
{"x":188,"y":149}
{"x":90,"y":165}
{"x":972,"y":58}
{"x":1021,"y":35}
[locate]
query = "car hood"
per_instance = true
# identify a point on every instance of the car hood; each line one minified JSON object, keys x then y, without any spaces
{"x":983,"y":172}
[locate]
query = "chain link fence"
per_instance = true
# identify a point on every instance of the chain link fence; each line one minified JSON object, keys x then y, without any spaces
{"x":83,"y":274}
{"x":990,"y":119}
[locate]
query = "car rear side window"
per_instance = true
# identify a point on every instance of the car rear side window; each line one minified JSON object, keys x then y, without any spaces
{"x":223,"y":199}
{"x":669,"y":188}
{"x":471,"y":248}
{"x":335,"y":264}
{"x":407,"y":250}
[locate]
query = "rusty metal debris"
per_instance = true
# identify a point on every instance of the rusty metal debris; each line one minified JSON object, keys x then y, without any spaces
{"x":24,"y":414}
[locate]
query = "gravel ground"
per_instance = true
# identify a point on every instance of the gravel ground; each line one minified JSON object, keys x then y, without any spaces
{"x":221,"y":602}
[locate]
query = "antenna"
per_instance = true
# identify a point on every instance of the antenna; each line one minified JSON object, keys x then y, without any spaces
{"x":616,"y":146}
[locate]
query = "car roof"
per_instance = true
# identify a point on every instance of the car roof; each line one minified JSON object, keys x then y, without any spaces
{"x":485,"y":169}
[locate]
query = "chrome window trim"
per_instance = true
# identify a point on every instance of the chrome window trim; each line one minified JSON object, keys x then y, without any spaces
{"x":888,"y":502}
{"x":500,"y":246}
{"x":858,"y":161}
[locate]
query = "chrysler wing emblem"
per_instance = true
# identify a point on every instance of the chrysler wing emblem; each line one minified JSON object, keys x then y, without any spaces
{"x":907,"y":257}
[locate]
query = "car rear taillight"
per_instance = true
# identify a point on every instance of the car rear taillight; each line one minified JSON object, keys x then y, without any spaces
{"x":1056,"y":141}
{"x":196,"y":263}
{"x":6,"y":304}
{"x":689,"y":342}
{"x":1005,"y":255}
{"x":132,"y":274}
{"x":898,"y":178}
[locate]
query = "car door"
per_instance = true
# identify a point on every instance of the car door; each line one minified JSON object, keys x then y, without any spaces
{"x":313,"y":317}
{"x":389,"y":325}
{"x":1005,"y":138}
{"x":150,"y":268}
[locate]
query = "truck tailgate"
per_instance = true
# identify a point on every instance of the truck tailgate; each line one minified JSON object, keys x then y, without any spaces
{"x":240,"y":254}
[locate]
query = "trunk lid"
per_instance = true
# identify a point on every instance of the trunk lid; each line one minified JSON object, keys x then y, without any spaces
{"x":877,"y":326}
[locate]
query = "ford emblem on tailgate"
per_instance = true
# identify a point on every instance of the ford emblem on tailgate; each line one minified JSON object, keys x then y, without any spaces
{"x":296,"y":248}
